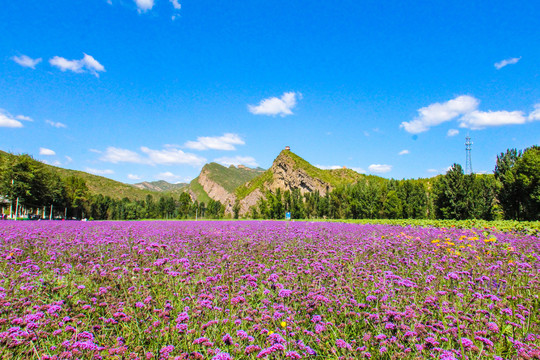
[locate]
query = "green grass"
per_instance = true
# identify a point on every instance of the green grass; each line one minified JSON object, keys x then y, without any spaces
{"x":199,"y":192}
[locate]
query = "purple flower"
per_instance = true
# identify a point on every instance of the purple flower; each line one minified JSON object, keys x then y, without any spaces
{"x":222,"y":356}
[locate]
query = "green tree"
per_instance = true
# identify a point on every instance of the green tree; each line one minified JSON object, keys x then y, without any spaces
{"x":508,"y":193}
{"x":451,"y":195}
{"x":392,"y":205}
{"x":76,"y":194}
{"x":527,"y":170}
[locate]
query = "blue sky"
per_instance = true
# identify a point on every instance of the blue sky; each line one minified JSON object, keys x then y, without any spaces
{"x":153,"y":89}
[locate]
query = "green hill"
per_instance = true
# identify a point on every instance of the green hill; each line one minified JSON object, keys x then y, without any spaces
{"x":101,"y":185}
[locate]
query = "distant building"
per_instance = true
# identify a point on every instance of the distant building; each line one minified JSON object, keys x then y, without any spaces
{"x":287,"y":148}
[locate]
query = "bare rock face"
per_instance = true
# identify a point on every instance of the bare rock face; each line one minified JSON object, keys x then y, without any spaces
{"x":287,"y":177}
{"x":213,"y":189}
{"x":250,"y":200}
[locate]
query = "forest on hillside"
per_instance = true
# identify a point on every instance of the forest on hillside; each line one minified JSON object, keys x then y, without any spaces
{"x":511,"y":192}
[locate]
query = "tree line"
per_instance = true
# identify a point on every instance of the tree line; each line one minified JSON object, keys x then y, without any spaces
{"x":33,"y":186}
{"x":511,"y":192}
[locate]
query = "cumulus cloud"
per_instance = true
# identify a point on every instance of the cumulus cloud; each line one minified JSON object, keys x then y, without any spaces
{"x":225,"y":142}
{"x":7,"y":120}
{"x":452,"y":132}
{"x":276,"y":106}
{"x":176,"y":4}
{"x":237,"y":160}
{"x":535,"y":114}
{"x":23,"y":118}
{"x":99,"y":172}
{"x":329,"y":167}
{"x":55,"y":124}
{"x":86,"y":64}
{"x":438,"y":113}
{"x":335,"y":167}
{"x":379,"y":168}
{"x":170,"y":177}
{"x":499,"y":65}
{"x":479,"y":119}
{"x":172,"y":156}
{"x":26,"y":61}
{"x":133,"y":177}
{"x":144,"y":5}
{"x":46,"y":152}
{"x":116,"y":155}
{"x":359,"y":170}
{"x":403,"y":152}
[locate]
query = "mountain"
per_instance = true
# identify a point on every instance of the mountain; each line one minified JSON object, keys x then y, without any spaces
{"x":289,"y":171}
{"x":219,"y":183}
{"x":160,"y":186}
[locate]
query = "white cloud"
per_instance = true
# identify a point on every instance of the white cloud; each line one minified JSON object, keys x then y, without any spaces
{"x":117,"y":155}
{"x":480,"y":119}
{"x":168,"y":156}
{"x":55,"y":124}
{"x":169,"y":176}
{"x":46,"y":152}
{"x":276,"y":106}
{"x":172,"y":156}
{"x":176,"y":4}
{"x":133,"y":177}
{"x":86,"y":64}
{"x":359,"y":170}
{"x":329,"y":167}
{"x":379,"y":168}
{"x":403,"y":152}
{"x":23,"y":118}
{"x":438,"y":113}
{"x":99,"y":172}
{"x":144,"y":5}
{"x":499,"y":65}
{"x":225,"y":142}
{"x":452,"y":132}
{"x":336,"y":167}
{"x":7,"y":120}
{"x":68,"y":159}
{"x":433,"y":171}
{"x":237,"y":160}
{"x":535,"y":114}
{"x":26,"y":61}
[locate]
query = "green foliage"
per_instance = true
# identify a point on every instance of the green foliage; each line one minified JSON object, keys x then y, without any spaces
{"x":518,"y":175}
{"x":198,"y":191}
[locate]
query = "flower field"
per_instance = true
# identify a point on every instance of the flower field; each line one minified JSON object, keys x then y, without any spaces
{"x":276,"y":290}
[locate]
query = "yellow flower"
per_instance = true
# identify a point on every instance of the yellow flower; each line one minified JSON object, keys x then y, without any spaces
{"x":283,"y":324}
{"x":435,"y":241}
{"x":270,"y":332}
